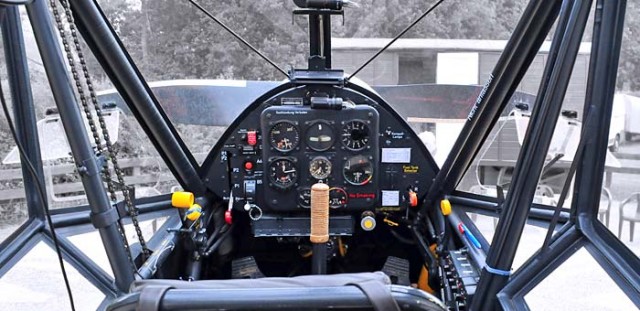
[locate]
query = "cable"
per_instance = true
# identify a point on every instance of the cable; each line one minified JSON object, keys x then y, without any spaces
{"x":395,"y":39}
{"x":237,"y":36}
{"x":41,"y":192}
{"x":567,"y":182}
{"x":217,"y":244}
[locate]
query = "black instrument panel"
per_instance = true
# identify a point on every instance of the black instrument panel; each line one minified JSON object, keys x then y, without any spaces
{"x":281,"y":145}
{"x":307,"y":145}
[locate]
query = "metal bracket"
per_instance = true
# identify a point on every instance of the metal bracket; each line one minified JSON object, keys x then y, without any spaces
{"x":105,"y":219}
{"x":329,"y":77}
{"x":87,"y":169}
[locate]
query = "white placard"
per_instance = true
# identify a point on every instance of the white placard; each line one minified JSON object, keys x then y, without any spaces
{"x":396,"y":155}
{"x":390,"y":198}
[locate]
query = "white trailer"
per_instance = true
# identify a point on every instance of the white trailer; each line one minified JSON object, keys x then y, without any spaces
{"x":625,"y":119}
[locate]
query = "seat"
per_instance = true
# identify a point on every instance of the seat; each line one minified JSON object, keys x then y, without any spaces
{"x":310,"y":292}
{"x":629,"y":214}
{"x":604,"y":210}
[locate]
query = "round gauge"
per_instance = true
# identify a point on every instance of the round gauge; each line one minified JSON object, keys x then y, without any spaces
{"x":282,"y":173}
{"x":304,"y":197}
{"x":358,"y":170}
{"x":284,"y":136}
{"x":320,"y":136}
{"x":320,"y":168}
{"x":337,"y":198}
{"x":355,"y":135}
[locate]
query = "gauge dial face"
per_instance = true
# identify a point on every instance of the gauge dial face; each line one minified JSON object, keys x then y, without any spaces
{"x":304,"y":197}
{"x":320,"y":136}
{"x":283,"y":173}
{"x":284,"y":136}
{"x":358,"y":170}
{"x":320,"y":168}
{"x":355,"y":135}
{"x":337,"y":198}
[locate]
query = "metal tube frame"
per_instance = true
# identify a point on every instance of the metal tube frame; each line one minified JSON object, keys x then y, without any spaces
{"x":531,"y":159}
{"x":82,"y":151}
{"x":520,"y":51}
{"x":23,"y":108}
{"x":584,"y":230}
{"x":116,"y":62}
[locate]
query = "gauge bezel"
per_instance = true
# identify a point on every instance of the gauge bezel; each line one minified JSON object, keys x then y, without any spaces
{"x":301,"y":192}
{"x":368,"y":137}
{"x":365,"y":182}
{"x":326,"y":174}
{"x":294,"y":145}
{"x":273,"y":183}
{"x":310,"y":127}
{"x":346,"y":197}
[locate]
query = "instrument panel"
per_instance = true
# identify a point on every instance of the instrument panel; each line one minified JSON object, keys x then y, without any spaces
{"x":285,"y":142}
{"x":306,"y":146}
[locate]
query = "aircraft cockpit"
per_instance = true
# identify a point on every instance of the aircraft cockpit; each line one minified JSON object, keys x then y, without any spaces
{"x":319,"y":191}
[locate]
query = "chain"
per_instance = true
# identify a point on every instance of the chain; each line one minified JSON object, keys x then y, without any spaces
{"x":111,"y":155}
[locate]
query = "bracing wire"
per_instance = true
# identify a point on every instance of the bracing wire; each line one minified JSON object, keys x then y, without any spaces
{"x":240,"y":38}
{"x":433,"y":7}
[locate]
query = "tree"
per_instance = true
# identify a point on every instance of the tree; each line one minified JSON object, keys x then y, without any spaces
{"x":173,"y":40}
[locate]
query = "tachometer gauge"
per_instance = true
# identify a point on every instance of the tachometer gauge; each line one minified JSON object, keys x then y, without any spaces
{"x":358,"y":170}
{"x":283,"y":173}
{"x":320,"y":168}
{"x":304,"y":197}
{"x":355,"y":135}
{"x":284,"y":136}
{"x":337,"y":198}
{"x":320,"y":136}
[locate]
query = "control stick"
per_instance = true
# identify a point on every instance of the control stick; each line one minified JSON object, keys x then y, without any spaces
{"x":319,"y":227}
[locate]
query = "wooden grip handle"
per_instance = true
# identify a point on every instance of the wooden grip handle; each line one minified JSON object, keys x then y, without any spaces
{"x":319,"y":213}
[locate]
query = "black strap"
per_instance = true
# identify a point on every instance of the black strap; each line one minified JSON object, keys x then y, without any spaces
{"x":151,"y":297}
{"x":379,"y":295}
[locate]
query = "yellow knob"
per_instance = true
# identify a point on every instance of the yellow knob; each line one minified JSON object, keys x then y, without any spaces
{"x":445,"y":207}
{"x":368,"y":223}
{"x":194,"y":212}
{"x":182,"y":199}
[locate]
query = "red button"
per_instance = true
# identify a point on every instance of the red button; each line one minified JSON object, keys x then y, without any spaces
{"x":252,"y":138}
{"x":248,"y":165}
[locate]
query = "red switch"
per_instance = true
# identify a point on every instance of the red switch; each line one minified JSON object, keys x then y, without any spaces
{"x":227,"y":217}
{"x":248,"y":165}
{"x":413,"y":198}
{"x":252,"y":138}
